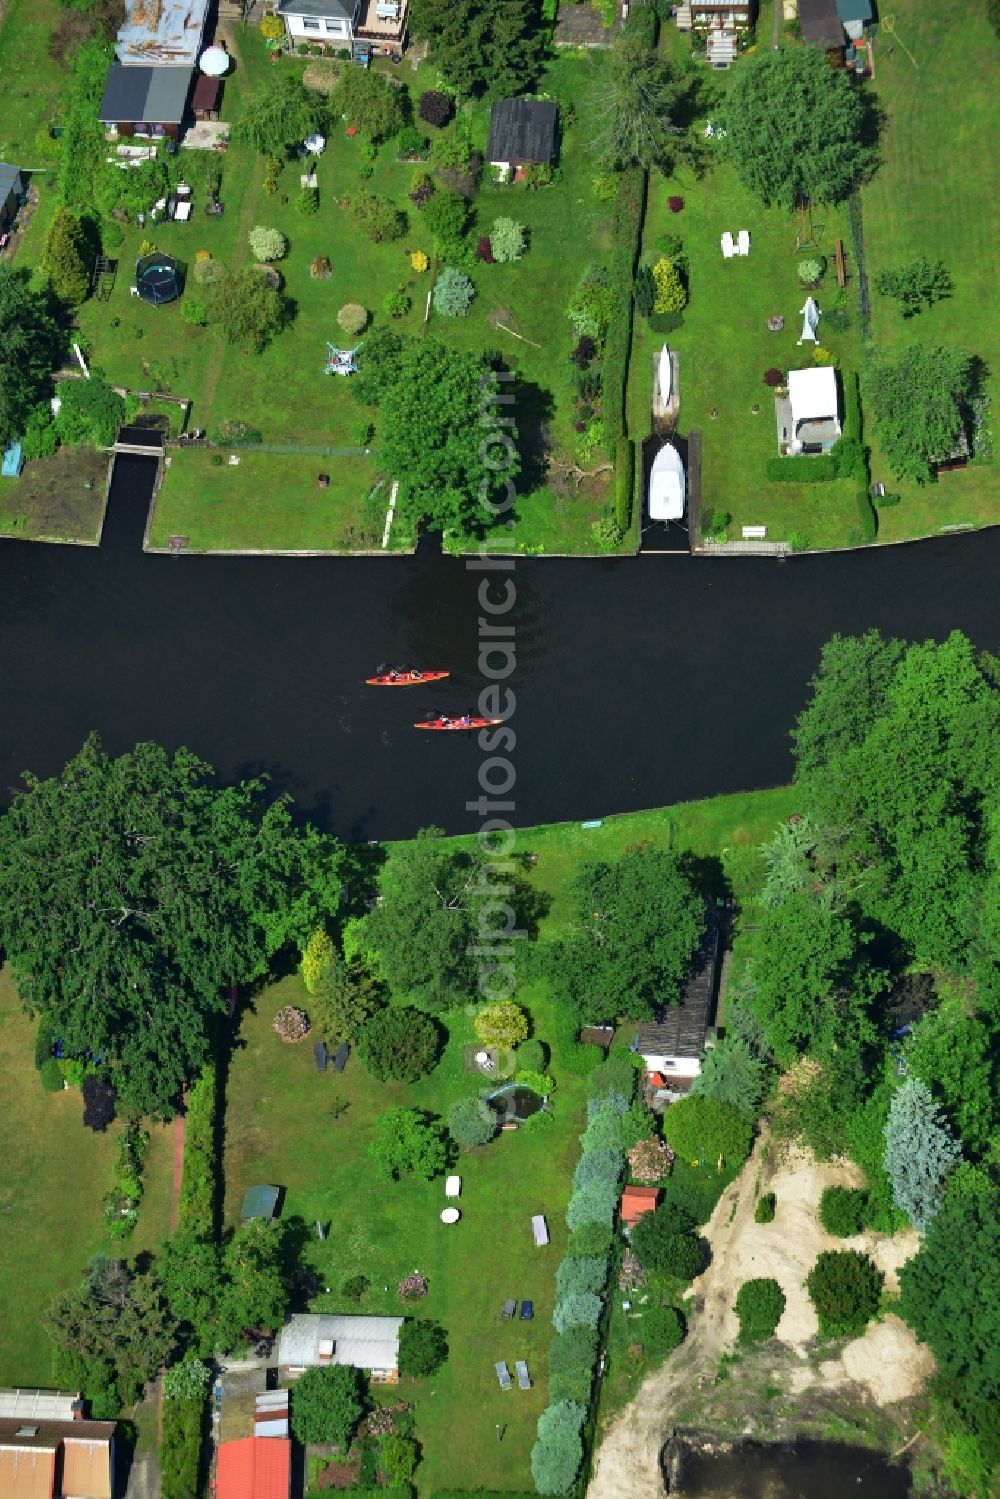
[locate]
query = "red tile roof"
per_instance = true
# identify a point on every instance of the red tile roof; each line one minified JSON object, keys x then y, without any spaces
{"x":636,"y":1201}
{"x":254,"y":1468}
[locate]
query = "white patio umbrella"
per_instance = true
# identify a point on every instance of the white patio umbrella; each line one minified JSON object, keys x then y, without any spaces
{"x":214,"y":61}
{"x":810,"y":321}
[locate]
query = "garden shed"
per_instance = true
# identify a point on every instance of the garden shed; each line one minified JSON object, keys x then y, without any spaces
{"x":522,"y":131}
{"x":259,"y":1202}
{"x":254,"y":1468}
{"x":145,"y":101}
{"x":11,"y":192}
{"x":311,"y":1340}
{"x":636,"y":1202}
{"x":815,"y":406}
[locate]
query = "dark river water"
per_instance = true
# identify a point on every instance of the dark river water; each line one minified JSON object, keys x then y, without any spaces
{"x":639,"y":682}
{"x":810,"y":1470}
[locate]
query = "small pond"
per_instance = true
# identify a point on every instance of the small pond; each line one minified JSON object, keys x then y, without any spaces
{"x":804,"y":1470}
{"x":515,"y":1102}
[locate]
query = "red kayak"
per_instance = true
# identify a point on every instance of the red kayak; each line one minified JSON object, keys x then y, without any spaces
{"x":465,"y":722}
{"x":406,"y":678}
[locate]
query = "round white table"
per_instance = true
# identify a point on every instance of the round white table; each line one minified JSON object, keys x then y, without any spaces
{"x":450,"y":1215}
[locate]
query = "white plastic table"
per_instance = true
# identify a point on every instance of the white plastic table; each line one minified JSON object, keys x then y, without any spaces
{"x":450,"y":1215}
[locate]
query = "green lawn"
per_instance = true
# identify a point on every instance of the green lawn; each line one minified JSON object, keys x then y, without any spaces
{"x":933,"y":195}
{"x":270,"y":502}
{"x":54,"y":1181}
{"x":35,"y":86}
{"x":725,"y":346}
{"x":278,"y":1129}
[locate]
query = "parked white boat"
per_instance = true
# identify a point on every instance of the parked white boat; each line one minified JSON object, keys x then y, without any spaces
{"x":665,"y":376}
{"x":666,"y":485}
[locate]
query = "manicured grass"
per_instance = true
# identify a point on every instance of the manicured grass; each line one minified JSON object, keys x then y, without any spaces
{"x":283,"y":391}
{"x":279,"y":1129}
{"x":55,"y":1176}
{"x":50,"y":500}
{"x":933,"y":195}
{"x":271,"y":501}
{"x":35,"y":86}
{"x":725,"y":346}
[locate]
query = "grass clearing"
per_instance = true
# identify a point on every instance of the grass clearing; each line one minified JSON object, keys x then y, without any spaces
{"x":279,"y":1129}
{"x":52,"y":1197}
{"x":932,"y":196}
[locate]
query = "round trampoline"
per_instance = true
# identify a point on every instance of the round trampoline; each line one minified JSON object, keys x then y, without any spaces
{"x":158,"y":278}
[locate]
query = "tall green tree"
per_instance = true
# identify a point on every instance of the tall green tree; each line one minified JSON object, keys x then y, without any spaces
{"x":732,"y":1074}
{"x":254,"y":1293}
{"x":279,"y":115}
{"x":850,"y":693}
{"x":920,"y":407}
{"x":433,"y":440}
{"x":917,"y":284}
{"x":132,"y":890}
{"x":31,"y":345}
{"x":948,"y":1292}
{"x":67,"y":258}
{"x":482,"y":47}
{"x":371,"y":101}
{"x":812,"y":986}
{"x":406,"y":1142}
{"x":920,"y":1152}
{"x":636,"y":927}
{"x":636,"y":109}
{"x":398,"y":1044}
{"x":345,"y":997}
{"x":249,"y":312}
{"x":117,"y":1318}
{"x":956,"y":1056}
{"x":327,"y":1405}
{"x":795,"y":128}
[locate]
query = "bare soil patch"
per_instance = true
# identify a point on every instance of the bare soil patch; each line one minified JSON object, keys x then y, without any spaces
{"x":51,"y":501}
{"x":776,"y":1389}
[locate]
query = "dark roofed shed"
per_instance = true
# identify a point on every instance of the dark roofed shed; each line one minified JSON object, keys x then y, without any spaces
{"x":522,"y":130}
{"x":820,"y":24}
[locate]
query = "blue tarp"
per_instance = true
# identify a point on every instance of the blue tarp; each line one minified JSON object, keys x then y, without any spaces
{"x":12,"y":461}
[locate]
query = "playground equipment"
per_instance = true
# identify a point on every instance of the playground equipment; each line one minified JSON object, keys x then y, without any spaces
{"x":341,"y":361}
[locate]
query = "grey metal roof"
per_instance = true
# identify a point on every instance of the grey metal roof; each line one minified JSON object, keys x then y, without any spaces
{"x":854,"y":10}
{"x":162,"y":31}
{"x":154,"y":96}
{"x":522,"y":130}
{"x":359,"y":1342}
{"x":317,"y":10}
{"x":820,"y":24}
{"x":10,"y":178}
{"x":679,"y":1031}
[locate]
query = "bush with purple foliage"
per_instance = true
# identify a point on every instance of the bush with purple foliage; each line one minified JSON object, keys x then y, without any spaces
{"x":484,"y":250}
{"x":774,"y":378}
{"x":436,"y":108}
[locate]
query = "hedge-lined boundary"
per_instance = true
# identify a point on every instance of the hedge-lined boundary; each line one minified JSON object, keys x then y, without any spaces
{"x":626,"y":228}
{"x":566,"y":1427}
{"x":197,"y":1208}
{"x":624,"y":482}
{"x":180,"y":1449}
{"x":855,"y":453}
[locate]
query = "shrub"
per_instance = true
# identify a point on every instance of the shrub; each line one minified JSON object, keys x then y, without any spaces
{"x":398,"y":1044}
{"x":91,"y":412}
{"x":355,"y":1288}
{"x":180,"y":1449}
{"x":112,"y":235}
{"x":196,"y":1204}
{"x":581,"y":1309}
{"x":663,"y":1240}
{"x":413,"y":1287}
{"x":267,"y":244}
{"x":576,"y":1348}
{"x":99,"y":1102}
{"x":919,"y":283}
{"x":575,"y":1275}
{"x":773,"y":377}
{"x":418,"y":261}
{"x":453,"y":293}
{"x":764,"y":1211}
{"x":601,"y":1165}
{"x":40,"y":437}
{"x":502,"y":1024}
{"x":675,"y":204}
{"x":707,"y":1129}
{"x":51,"y":1076}
{"x":397,"y":1458}
{"x":353,"y":318}
{"x":670,"y":294}
{"x":612,"y":1085}
{"x":484,"y":250}
{"x":410,"y":143}
{"x":594,"y":1203}
{"x":291,"y":1024}
{"x":661,"y":1329}
{"x":645,"y":291}
{"x":316,"y":960}
{"x":759,"y":1306}
{"x":842,"y":1211}
{"x":825,"y":357}
{"x":532,"y":1056}
{"x":447,"y":216}
{"x":555,"y":1463}
{"x":423,"y":190}
{"x":625,"y":226}
{"x":194,"y":311}
{"x":397,"y":303}
{"x":844,"y":1287}
{"x":471,"y":1121}
{"x":423,"y":1348}
{"x":187,"y":1380}
{"x":307,"y":201}
{"x":66,"y":257}
{"x":589,"y":310}
{"x":607,"y":533}
{"x":328,"y":1403}
{"x":208,"y":272}
{"x":811,"y":269}
{"x":603,"y":1132}
{"x":561,"y":1418}
{"x":572,"y":1384}
{"x":378,"y":217}
{"x":624,"y":483}
{"x":802,"y":468}
{"x":507,"y":240}
{"x":435,"y":107}
{"x":590,"y":1240}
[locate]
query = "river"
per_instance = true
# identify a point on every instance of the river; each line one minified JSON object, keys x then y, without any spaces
{"x":639,"y":681}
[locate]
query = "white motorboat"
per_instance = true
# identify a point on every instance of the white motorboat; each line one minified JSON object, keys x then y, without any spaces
{"x":666,"y":485}
{"x":665,"y":376}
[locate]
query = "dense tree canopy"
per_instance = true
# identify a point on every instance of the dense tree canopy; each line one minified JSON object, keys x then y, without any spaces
{"x":919,"y":405}
{"x":116,"y":1318}
{"x":31,"y":346}
{"x":795,"y":128}
{"x":279,"y":115}
{"x":132,"y":890}
{"x":948,"y":1291}
{"x":398,"y":1043}
{"x":423,"y":1347}
{"x":249,"y":312}
{"x":327,"y":1404}
{"x":406,"y":1142}
{"x":636,"y":110}
{"x":491,"y":47}
{"x":637,"y":925}
{"x":371,"y":101}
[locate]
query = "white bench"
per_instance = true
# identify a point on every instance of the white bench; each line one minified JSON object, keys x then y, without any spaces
{"x":754,"y":533}
{"x":540,"y":1230}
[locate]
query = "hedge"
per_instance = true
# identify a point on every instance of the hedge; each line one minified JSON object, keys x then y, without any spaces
{"x":626,"y":227}
{"x":180,"y":1450}
{"x":800,"y":468}
{"x":853,"y":433}
{"x":624,"y":482}
{"x":196,"y":1210}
